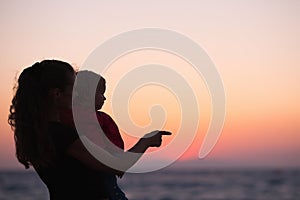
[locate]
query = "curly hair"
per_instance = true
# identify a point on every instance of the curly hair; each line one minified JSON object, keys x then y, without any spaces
{"x":28,"y":115}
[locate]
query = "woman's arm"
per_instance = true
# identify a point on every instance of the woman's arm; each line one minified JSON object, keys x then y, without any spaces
{"x":78,"y":151}
{"x":114,"y":164}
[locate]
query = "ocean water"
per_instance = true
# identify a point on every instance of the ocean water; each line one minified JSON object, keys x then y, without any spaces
{"x":173,"y":184}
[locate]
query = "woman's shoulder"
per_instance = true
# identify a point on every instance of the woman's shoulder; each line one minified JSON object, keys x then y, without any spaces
{"x":58,"y":126}
{"x":61,"y":134}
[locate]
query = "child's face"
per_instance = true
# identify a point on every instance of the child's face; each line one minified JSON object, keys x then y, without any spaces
{"x":100,"y":98}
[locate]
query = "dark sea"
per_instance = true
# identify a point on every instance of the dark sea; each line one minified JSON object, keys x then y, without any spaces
{"x":170,"y":184}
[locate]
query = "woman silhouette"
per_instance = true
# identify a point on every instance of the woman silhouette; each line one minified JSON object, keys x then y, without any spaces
{"x":51,"y":148}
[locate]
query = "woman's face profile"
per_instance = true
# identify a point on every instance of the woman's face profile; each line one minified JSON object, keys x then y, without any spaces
{"x":66,"y":94}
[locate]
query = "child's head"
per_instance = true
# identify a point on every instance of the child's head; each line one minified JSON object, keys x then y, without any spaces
{"x":89,"y":89}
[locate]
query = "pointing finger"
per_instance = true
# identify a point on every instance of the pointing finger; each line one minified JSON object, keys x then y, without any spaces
{"x":165,"y":133}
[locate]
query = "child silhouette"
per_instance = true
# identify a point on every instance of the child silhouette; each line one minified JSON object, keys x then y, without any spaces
{"x":82,"y":104}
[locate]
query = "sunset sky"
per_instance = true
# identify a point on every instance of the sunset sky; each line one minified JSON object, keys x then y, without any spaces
{"x":254,"y":45}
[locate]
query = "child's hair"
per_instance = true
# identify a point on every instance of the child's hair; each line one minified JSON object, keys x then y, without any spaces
{"x":85,"y":87}
{"x":28,"y":115}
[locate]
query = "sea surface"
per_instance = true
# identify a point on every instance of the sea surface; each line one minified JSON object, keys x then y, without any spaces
{"x":171,"y":184}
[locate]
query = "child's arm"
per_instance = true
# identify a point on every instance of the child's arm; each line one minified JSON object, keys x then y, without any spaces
{"x":152,"y":139}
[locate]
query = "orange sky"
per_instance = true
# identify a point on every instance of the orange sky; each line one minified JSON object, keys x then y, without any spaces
{"x":254,"y":45}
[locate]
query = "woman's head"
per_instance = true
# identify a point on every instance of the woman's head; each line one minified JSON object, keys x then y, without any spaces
{"x":90,"y":88}
{"x":41,"y":90}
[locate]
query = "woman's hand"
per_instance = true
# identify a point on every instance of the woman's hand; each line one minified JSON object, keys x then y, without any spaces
{"x":154,"y":138}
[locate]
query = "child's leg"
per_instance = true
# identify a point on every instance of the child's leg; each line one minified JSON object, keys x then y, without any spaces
{"x":113,"y":190}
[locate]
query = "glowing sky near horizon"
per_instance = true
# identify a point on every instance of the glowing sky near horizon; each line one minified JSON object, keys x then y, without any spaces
{"x":255,"y":46}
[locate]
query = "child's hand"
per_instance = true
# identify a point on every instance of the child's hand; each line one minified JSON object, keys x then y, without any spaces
{"x":154,"y":138}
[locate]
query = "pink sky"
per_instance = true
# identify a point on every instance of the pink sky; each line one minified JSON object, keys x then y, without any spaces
{"x":254,"y":45}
